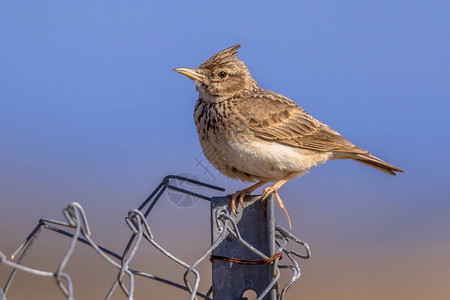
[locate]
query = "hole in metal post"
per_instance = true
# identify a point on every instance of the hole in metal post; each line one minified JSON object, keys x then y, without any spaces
{"x":249,"y":295}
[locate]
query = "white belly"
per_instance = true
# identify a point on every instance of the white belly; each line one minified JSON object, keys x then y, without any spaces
{"x":272,"y":161}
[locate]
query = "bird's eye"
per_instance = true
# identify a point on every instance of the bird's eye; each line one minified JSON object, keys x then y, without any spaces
{"x":222,"y":74}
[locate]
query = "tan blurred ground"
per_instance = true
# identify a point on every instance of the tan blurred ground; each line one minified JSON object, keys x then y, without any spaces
{"x":337,"y":270}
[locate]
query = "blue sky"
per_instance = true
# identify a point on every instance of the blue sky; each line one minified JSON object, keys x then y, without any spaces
{"x":91,"y":111}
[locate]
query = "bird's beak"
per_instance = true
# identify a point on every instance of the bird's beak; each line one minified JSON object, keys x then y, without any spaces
{"x":191,"y":73}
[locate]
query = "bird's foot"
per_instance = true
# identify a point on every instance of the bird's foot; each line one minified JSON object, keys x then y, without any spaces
{"x":239,"y":195}
{"x":273,"y":190}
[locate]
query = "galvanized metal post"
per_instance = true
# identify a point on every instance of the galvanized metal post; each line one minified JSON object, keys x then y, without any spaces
{"x":230,"y":280}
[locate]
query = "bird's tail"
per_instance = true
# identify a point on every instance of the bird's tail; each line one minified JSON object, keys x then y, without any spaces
{"x":375,"y":162}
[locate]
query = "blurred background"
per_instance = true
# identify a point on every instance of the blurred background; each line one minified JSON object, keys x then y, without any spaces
{"x":91,"y":111}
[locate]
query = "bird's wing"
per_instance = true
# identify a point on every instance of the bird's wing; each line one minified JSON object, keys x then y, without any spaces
{"x":273,"y":117}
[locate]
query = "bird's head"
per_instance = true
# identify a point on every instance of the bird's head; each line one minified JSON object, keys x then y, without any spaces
{"x":222,"y":76}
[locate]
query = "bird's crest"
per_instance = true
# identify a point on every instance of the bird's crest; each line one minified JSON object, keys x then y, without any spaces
{"x":221,"y":58}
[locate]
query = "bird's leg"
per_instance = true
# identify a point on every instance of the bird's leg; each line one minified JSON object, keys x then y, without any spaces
{"x":273,"y":189}
{"x":242,"y":194}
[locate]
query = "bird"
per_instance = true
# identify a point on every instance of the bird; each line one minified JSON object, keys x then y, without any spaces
{"x":253,"y":134}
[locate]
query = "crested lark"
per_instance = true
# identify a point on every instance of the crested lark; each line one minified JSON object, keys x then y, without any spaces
{"x":253,"y":134}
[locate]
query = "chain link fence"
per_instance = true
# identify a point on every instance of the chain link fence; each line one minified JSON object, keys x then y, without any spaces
{"x":76,"y":227}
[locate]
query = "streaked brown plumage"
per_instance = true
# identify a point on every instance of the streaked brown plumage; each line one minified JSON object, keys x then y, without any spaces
{"x":253,"y":134}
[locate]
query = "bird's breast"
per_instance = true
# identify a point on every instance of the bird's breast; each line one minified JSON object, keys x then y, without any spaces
{"x":218,"y":132}
{"x":213,"y":121}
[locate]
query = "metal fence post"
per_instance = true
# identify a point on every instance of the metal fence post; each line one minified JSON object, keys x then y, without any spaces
{"x":230,"y":280}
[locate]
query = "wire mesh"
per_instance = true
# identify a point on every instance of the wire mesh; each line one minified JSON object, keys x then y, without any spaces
{"x":76,"y":227}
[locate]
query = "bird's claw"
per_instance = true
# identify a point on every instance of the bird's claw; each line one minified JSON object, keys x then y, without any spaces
{"x":239,"y":195}
{"x":271,"y":190}
{"x":267,"y":191}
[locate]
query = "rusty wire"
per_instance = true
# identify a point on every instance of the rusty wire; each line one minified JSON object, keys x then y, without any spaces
{"x":77,"y":222}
